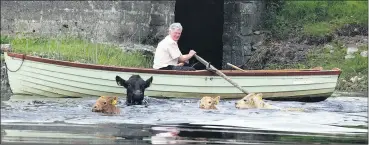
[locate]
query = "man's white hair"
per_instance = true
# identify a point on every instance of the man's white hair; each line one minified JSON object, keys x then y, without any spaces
{"x":175,"y":26}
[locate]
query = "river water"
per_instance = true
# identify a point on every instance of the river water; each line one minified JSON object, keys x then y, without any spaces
{"x":339,"y":119}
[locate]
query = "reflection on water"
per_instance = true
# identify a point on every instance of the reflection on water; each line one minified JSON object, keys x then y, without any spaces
{"x":178,"y":121}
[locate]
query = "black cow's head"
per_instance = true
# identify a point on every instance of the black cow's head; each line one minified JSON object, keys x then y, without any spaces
{"x":135,"y":86}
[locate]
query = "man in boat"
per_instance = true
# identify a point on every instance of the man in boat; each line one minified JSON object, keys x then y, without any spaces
{"x":167,"y":54}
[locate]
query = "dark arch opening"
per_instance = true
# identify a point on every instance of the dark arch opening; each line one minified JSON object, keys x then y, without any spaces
{"x":202,"y":22}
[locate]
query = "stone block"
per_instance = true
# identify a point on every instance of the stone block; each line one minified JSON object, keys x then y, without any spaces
{"x":229,"y":31}
{"x":58,"y":4}
{"x":129,"y":18}
{"x":227,"y":48}
{"x":144,"y":19}
{"x":141,"y":6}
{"x":36,"y":27}
{"x":246,"y":24}
{"x":246,"y":49}
{"x":124,"y":5}
{"x":246,"y":40}
{"x":21,"y":26}
{"x":53,"y":14}
{"x":72,"y":16}
{"x":30,"y":6}
{"x":7,"y":26}
{"x":237,"y":55}
{"x":101,"y":5}
{"x":157,"y":20}
{"x":236,"y":41}
{"x":170,"y":19}
{"x":364,"y":53}
{"x":227,"y":55}
{"x":258,"y":40}
{"x":232,"y":17}
{"x":112,"y":17}
{"x":160,"y":31}
{"x":78,"y":5}
{"x":230,"y":7}
{"x":226,"y":39}
{"x":349,"y":56}
{"x":29,"y":13}
{"x":136,"y":18}
{"x":352,"y":49}
{"x":162,"y":8}
{"x":247,"y":7}
{"x":245,"y":30}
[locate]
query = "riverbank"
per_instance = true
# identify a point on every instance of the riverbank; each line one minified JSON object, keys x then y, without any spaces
{"x":78,"y":50}
{"x":75,"y":50}
{"x":350,"y":54}
{"x":308,"y":34}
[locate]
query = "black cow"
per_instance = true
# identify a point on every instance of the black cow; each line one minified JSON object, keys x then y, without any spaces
{"x":135,"y":86}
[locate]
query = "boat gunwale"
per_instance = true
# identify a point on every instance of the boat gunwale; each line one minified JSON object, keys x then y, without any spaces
{"x":286,"y":72}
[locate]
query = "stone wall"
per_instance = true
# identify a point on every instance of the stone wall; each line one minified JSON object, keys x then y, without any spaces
{"x":143,"y":22}
{"x":241,"y":30}
{"x":100,"y":21}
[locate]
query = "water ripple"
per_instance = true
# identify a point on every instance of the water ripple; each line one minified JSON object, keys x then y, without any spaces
{"x":336,"y":115}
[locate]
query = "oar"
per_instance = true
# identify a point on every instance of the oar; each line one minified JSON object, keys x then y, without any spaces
{"x":235,"y":67}
{"x":313,"y":69}
{"x":211,"y":67}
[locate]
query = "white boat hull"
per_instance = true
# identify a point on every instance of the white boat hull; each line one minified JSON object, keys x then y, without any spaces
{"x":55,"y":80}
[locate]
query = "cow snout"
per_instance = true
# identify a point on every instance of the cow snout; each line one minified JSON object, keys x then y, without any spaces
{"x":137,"y":93}
{"x":96,"y":108}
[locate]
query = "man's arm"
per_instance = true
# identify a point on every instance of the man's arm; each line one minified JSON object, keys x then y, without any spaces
{"x":186,"y":57}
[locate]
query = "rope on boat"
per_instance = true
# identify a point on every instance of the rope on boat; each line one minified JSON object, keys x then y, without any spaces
{"x":6,"y":66}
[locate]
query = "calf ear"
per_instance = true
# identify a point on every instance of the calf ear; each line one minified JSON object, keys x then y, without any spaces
{"x":216,"y":99}
{"x":120,"y":81}
{"x":148,"y":82}
{"x":115,"y":100}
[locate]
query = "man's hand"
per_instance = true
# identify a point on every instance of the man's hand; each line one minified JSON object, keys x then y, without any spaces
{"x":192,"y":52}
{"x":180,"y":64}
{"x":186,"y":57}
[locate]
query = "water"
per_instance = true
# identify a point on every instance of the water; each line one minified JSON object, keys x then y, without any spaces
{"x":28,"y":119}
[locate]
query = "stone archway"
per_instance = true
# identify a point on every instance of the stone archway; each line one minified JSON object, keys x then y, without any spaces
{"x":202,"y":23}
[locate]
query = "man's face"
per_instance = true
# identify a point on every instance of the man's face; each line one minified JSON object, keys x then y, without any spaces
{"x":175,"y":34}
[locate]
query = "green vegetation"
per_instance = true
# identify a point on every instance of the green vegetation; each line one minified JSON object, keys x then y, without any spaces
{"x":334,"y":57}
{"x":74,"y":49}
{"x":318,"y":19}
{"x":314,"y":18}
{"x":322,"y":56}
{"x":5,"y":40}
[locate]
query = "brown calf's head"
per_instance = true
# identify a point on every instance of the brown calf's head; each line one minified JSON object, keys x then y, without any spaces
{"x":252,"y":100}
{"x":209,"y":102}
{"x":106,"y":104}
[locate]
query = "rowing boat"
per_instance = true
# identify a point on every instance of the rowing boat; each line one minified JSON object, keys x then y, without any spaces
{"x":32,"y":75}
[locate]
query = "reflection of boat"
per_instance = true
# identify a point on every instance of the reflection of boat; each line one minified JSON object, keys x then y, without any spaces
{"x":53,"y":78}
